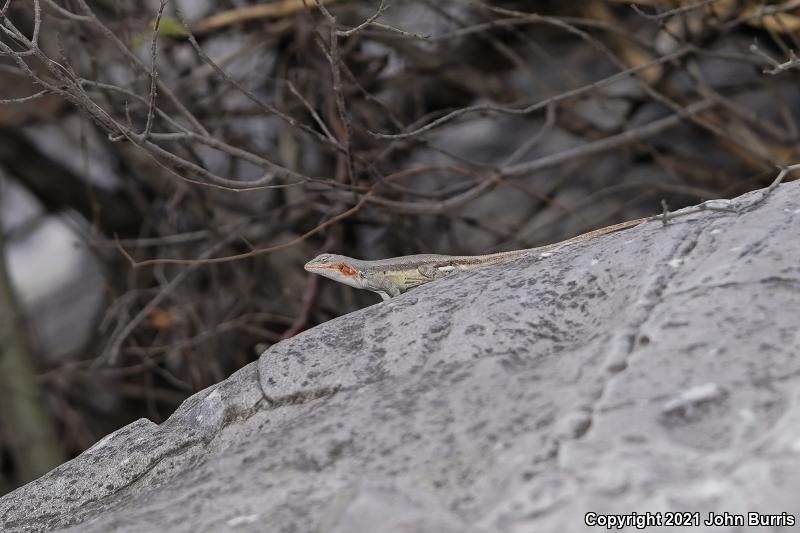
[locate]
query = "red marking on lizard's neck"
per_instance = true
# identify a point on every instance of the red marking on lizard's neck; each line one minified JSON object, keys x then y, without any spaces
{"x":346,"y":270}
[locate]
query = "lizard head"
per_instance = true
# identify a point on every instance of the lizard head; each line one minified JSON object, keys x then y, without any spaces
{"x":338,"y":268}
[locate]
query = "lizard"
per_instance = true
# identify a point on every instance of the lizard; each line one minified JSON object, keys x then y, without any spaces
{"x":394,"y":276}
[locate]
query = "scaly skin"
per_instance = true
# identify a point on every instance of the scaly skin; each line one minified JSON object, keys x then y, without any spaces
{"x":392,"y":277}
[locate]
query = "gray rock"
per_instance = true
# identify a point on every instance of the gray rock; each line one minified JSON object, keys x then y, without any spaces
{"x":654,"y":369}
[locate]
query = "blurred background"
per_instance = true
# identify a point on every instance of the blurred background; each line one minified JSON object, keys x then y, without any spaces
{"x":166,"y":167}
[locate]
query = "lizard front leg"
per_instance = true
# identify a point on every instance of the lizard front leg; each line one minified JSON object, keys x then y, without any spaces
{"x":384,"y":286}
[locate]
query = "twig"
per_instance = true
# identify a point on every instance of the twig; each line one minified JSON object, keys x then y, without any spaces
{"x":111,"y":353}
{"x":151,"y":103}
{"x":671,"y":12}
{"x":527,"y":110}
{"x":278,"y":9}
{"x":251,"y":253}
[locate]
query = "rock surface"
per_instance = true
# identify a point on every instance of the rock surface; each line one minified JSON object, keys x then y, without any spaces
{"x":656,"y":369}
